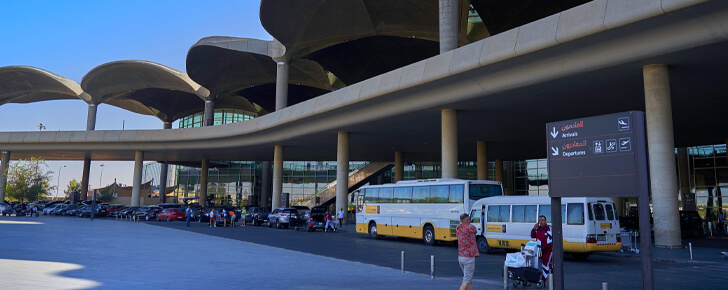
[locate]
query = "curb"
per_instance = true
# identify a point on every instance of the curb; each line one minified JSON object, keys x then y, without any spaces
{"x":672,"y":260}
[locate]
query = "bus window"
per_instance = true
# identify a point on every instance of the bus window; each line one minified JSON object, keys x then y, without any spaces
{"x":493,"y":213}
{"x":456,"y":194}
{"x":610,"y":211}
{"x":386,"y":195}
{"x":598,"y":211}
{"x":545,"y":210}
{"x":371,"y":195}
{"x":575,"y":214}
{"x":531,"y":216}
{"x":403,"y":194}
{"x":420,"y":194}
{"x":478,"y":191}
{"x":475,"y":216}
{"x":439,"y":193}
{"x":519,"y":213}
{"x":499,"y":213}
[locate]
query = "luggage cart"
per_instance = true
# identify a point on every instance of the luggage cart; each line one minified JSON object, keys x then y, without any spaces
{"x":632,"y":235}
{"x":531,"y":273}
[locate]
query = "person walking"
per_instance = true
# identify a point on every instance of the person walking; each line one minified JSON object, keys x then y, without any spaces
{"x":542,"y":232}
{"x":341,"y":217}
{"x":232,"y":218}
{"x":329,"y":222}
{"x":243,"y":213}
{"x":224,"y":217}
{"x":467,"y":250}
{"x":188,"y":214}
{"x":213,"y":221}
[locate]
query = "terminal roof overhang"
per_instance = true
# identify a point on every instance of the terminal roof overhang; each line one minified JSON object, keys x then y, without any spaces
{"x":505,"y":89}
{"x":24,"y":84}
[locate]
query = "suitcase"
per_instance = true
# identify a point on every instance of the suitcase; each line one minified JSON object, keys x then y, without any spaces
{"x":527,"y":274}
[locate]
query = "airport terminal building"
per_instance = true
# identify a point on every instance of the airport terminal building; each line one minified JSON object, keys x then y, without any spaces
{"x":350,"y":93}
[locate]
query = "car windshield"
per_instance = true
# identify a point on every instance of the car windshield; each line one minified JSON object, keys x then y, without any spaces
{"x":290,"y":211}
{"x":318,"y":210}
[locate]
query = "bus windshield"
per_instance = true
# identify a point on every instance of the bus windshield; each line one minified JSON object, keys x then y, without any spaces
{"x":478,"y":191}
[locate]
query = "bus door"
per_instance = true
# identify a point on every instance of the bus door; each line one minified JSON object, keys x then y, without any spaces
{"x":477,"y":219}
{"x":605,"y":222}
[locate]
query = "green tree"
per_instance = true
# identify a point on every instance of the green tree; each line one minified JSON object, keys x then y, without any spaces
{"x":73,"y":186}
{"x":105,"y":195}
{"x":28,"y":180}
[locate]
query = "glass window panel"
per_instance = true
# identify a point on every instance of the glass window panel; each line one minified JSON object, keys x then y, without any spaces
{"x":530,"y":212}
{"x":545,"y":210}
{"x":599,"y":211}
{"x":439,"y":193}
{"x":456,"y":193}
{"x":504,"y":214}
{"x":478,"y":191}
{"x":575,"y":214}
{"x":403,"y":194}
{"x":493,"y":213}
{"x":386,"y":195}
{"x":475,"y":216}
{"x":371,"y":195}
{"x":420,"y":194}
{"x":519,"y":213}
{"x":610,"y":211}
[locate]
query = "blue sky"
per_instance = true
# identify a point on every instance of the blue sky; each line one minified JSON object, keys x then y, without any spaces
{"x":70,"y":38}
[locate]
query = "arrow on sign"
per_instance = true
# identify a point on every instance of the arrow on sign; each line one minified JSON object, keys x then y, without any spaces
{"x":555,"y":151}
{"x":554,"y":133}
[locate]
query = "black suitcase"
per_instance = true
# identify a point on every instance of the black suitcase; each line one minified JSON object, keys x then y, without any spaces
{"x":528,"y":274}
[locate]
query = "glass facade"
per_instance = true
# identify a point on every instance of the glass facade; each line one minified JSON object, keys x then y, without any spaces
{"x":709,"y":178}
{"x":221,"y":116}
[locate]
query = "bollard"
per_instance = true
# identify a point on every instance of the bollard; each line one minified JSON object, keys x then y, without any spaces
{"x":605,"y":286}
{"x":402,"y":261}
{"x":690,"y":245}
{"x":432,"y":266}
{"x":551,"y":281}
{"x":505,"y":277}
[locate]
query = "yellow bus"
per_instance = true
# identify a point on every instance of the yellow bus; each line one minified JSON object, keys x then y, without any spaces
{"x":428,"y":209}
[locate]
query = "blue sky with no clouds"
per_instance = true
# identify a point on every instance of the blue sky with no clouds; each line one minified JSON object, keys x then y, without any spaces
{"x":70,"y":38}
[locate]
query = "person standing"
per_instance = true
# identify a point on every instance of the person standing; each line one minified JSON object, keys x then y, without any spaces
{"x":329,"y":222}
{"x":243,"y":213}
{"x":467,"y":250}
{"x":341,"y":217}
{"x":232,"y":218}
{"x":188,"y":215}
{"x":213,"y":221}
{"x":542,"y":232}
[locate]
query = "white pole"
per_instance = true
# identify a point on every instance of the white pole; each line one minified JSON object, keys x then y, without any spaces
{"x":402,"y":261}
{"x":432,"y":266}
{"x":551,"y":281}
{"x":605,"y":286}
{"x":690,"y":245}
{"x":505,"y":277}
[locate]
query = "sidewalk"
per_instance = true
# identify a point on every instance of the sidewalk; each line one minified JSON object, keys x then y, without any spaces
{"x":701,"y":254}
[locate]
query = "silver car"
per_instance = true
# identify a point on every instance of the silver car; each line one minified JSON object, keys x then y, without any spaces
{"x":283,"y":217}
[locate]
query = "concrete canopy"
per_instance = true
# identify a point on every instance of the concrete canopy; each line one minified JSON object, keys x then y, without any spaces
{"x":146,"y":88}
{"x":231,"y":66}
{"x":25,"y":84}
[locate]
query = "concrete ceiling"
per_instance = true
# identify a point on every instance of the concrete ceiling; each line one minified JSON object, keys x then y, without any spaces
{"x":25,"y":84}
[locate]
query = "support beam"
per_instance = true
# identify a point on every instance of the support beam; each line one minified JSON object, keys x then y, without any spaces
{"x":277,"y":176}
{"x":204,"y":170}
{"x":163,"y":170}
{"x":499,"y":170}
{"x":661,"y":147}
{"x":136,"y":190}
{"x":85,"y":177}
{"x":209,"y":114}
{"x":265,"y":184}
{"x":91,"y":117}
{"x":281,"y":85}
{"x":4,"y":165}
{"x":398,"y":166}
{"x":482,"y":160}
{"x":449,"y":10}
{"x":449,"y":143}
{"x":342,"y":173}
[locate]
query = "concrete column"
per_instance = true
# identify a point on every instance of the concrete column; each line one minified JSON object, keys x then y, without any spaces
{"x":265,"y":184}
{"x":4,"y":174}
{"x":209,"y":114}
{"x":342,"y":173}
{"x":448,"y":25}
{"x":85,"y":177}
{"x":204,"y":170}
{"x":91,"y":117}
{"x":499,"y":170}
{"x":660,"y":143}
{"x":277,"y":176}
{"x":136,"y":191}
{"x":163,"y":170}
{"x":398,"y":166}
{"x":449,"y":143}
{"x":418,"y":171}
{"x":482,"y":160}
{"x":281,"y":85}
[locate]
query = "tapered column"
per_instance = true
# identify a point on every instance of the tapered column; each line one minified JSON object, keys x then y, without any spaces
{"x":281,"y":85}
{"x":91,"y":117}
{"x":265,"y":184}
{"x":661,"y":147}
{"x":482,"y":160}
{"x":449,"y":143}
{"x":398,"y":166}
{"x":209,"y":113}
{"x":499,"y":170}
{"x":277,"y":176}
{"x":90,"y":126}
{"x":136,"y":191}
{"x":204,"y":170}
{"x":163,"y":168}
{"x":4,"y":165}
{"x":342,"y":173}
{"x":448,"y":25}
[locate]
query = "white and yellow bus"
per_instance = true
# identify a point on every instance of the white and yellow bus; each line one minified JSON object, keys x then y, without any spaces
{"x":428,"y":209}
{"x":589,"y":224}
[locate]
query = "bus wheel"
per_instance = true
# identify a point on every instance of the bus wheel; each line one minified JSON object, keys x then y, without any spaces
{"x":483,"y":246}
{"x":580,"y":256}
{"x":428,"y":236}
{"x":373,"y":231}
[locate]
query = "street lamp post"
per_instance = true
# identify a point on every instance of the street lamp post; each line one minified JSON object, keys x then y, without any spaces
{"x":58,"y":187}
{"x":102,"y":174}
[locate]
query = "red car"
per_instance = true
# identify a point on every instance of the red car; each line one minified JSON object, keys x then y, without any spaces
{"x":170,"y":214}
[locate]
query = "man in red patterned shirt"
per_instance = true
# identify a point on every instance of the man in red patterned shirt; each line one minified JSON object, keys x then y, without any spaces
{"x":467,"y":250}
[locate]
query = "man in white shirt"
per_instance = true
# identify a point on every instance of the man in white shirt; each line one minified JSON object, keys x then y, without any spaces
{"x":341,"y":217}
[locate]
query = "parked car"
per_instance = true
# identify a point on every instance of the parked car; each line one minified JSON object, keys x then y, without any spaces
{"x":170,"y":214}
{"x":147,"y":212}
{"x":257,"y":215}
{"x":73,"y":209}
{"x":282,"y":217}
{"x":691,"y":224}
{"x":312,"y":220}
{"x":100,"y":211}
{"x":6,"y":209}
{"x":59,"y":210}
{"x":48,"y":209}
{"x":301,"y":209}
